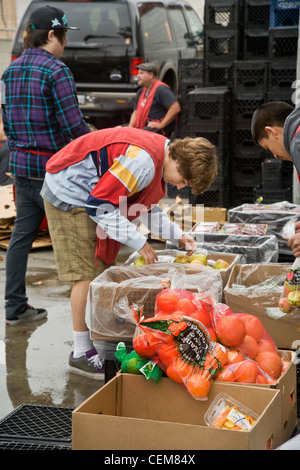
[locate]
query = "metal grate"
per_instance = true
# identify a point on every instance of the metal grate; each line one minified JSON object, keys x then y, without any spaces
{"x":38,"y":422}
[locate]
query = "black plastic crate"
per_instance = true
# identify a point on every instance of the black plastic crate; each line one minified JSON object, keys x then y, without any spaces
{"x":283,"y":95}
{"x":250,"y":76}
{"x":222,"y":45}
{"x":219,"y":197}
{"x":246,"y":172}
{"x":256,"y":44}
{"x":272,"y":174}
{"x":281,"y":75}
{"x":241,"y":195}
{"x":186,"y":88}
{"x":172,"y":191}
{"x":190,"y":70}
{"x":284,"y":13}
{"x":271,"y":196}
{"x":47,"y":425}
{"x":257,"y":14}
{"x":222,"y":14}
{"x":283,"y":43}
{"x":209,"y":105}
{"x":220,"y":137}
{"x":245,"y":104}
{"x":218,"y":73}
{"x":243,"y":143}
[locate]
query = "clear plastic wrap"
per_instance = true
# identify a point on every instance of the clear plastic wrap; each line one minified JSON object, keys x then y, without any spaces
{"x":252,"y":249}
{"x":113,"y":292}
{"x":275,"y":215}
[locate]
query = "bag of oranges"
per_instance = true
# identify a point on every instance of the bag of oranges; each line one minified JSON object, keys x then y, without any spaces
{"x":180,"y":343}
{"x":252,"y":354}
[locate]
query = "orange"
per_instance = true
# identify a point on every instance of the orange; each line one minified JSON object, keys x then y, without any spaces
{"x":254,"y":326}
{"x":179,"y":371}
{"x":248,"y":347}
{"x":220,"y":352}
{"x":202,"y":316}
{"x":186,"y":305}
{"x":198,"y":385}
{"x":265,"y":345}
{"x":212,"y":333}
{"x":166,"y":301}
{"x":226,"y":375}
{"x":230,"y":330}
{"x":270,"y":363}
{"x":210,"y":362}
{"x":234,"y":356}
{"x":143,"y":347}
{"x":166,"y":353}
{"x":261,"y":379}
{"x":245,"y":371}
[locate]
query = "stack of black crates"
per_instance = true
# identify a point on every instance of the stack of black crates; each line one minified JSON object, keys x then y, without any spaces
{"x":250,"y":57}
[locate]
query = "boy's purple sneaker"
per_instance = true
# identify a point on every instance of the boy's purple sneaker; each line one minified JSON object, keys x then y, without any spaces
{"x":89,"y":365}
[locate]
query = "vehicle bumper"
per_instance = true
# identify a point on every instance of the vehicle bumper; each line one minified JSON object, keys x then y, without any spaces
{"x":95,"y":101}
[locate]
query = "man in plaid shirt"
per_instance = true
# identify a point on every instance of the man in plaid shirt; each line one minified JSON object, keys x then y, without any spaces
{"x":40,"y":115}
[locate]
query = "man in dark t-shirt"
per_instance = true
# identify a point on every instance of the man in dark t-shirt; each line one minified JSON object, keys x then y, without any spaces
{"x":156,"y":107}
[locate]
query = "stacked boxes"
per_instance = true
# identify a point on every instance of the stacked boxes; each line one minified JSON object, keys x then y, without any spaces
{"x":251,"y":49}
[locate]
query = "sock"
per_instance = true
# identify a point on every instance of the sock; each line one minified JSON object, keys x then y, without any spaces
{"x":82,"y":343}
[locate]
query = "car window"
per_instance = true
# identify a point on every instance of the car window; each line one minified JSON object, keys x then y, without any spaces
{"x":97,"y":21}
{"x":180,"y":26}
{"x":195,"y":25}
{"x":154,"y":25}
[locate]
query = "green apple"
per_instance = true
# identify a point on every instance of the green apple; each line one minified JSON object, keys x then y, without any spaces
{"x":140,"y":261}
{"x":183,"y":259}
{"x":294,"y":298}
{"x":199,"y":257}
{"x":132,"y":365}
{"x":221,"y":264}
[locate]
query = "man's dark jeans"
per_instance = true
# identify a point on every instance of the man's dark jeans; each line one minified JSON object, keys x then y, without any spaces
{"x":29,"y":215}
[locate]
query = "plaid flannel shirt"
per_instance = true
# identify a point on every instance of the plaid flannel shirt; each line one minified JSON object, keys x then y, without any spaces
{"x":41,"y":113}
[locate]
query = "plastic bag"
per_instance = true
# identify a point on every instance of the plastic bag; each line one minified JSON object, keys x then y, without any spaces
{"x":252,"y":354}
{"x":132,"y":363}
{"x":181,"y":340}
{"x":290,"y":299}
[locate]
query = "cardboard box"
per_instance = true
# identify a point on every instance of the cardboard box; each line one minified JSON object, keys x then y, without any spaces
{"x":133,"y":413}
{"x":287,"y":385}
{"x":230,"y":258}
{"x":284,"y":329}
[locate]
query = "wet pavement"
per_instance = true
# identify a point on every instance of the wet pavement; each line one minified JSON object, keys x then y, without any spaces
{"x":34,"y":356}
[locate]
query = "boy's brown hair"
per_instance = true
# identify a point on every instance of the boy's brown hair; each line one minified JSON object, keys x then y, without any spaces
{"x":39,"y":37}
{"x":196,"y":161}
{"x":273,"y":113}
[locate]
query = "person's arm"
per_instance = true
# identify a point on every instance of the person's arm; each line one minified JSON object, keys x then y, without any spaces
{"x":132,"y":119}
{"x":171,"y":114}
{"x":160,"y":225}
{"x":294,"y":241}
{"x":66,"y":105}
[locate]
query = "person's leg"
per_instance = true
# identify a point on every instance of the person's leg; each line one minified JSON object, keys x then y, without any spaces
{"x":29,"y":215}
{"x":73,"y":236}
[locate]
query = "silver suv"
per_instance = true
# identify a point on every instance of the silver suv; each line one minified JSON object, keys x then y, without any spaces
{"x":114,"y":37}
